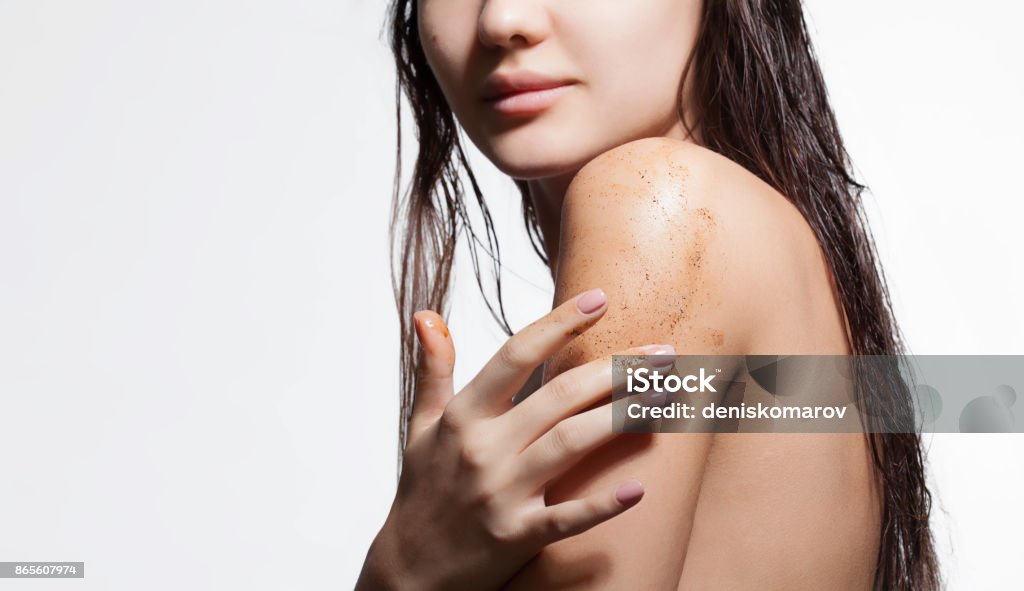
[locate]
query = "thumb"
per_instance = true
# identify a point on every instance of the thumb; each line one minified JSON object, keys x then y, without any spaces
{"x":434,"y":370}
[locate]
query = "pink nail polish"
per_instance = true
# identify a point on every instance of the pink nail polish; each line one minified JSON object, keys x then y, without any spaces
{"x":591,"y":301}
{"x":629,"y":492}
{"x":660,"y":356}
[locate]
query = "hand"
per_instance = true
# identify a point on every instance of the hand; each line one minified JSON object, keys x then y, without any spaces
{"x":470,"y":511}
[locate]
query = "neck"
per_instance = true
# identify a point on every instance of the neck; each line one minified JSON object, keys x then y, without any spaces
{"x":547,"y":195}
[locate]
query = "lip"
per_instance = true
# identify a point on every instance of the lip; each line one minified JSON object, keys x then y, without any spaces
{"x":523,"y":92}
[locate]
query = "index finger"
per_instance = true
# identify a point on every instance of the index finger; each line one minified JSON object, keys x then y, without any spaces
{"x":578,"y":389}
{"x":491,"y":390}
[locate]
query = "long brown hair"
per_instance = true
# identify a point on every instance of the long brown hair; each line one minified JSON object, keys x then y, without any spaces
{"x":760,"y":100}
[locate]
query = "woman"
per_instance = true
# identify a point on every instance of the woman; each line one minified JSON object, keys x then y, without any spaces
{"x":683,"y":156}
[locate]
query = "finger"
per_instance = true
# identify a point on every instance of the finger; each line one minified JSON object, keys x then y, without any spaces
{"x":492,"y":389}
{"x":565,"y":445}
{"x":571,"y":518}
{"x":436,"y":364}
{"x":572,"y":391}
{"x":570,"y":440}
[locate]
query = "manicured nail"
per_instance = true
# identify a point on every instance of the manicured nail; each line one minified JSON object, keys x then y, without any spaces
{"x":629,"y":493}
{"x":658,"y":350}
{"x":591,"y":301}
{"x":658,"y":399}
{"x":434,"y":322}
{"x":663,"y":357}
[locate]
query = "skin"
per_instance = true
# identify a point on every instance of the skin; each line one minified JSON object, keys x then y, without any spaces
{"x":621,"y":55}
{"x":470,"y":508}
{"x":692,"y":250}
{"x":701,"y":254}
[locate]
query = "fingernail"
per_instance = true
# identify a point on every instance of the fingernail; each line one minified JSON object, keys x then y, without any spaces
{"x":629,"y":492}
{"x":434,"y":322}
{"x":664,"y":356}
{"x":591,"y":301}
{"x":658,"y":350}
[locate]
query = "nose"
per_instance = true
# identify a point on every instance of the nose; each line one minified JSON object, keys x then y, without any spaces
{"x":512,"y":23}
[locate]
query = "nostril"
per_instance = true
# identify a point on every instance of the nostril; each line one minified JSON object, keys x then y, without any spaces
{"x":511,"y":24}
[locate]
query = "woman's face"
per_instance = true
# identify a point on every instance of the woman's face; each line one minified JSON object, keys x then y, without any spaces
{"x":622,"y":63}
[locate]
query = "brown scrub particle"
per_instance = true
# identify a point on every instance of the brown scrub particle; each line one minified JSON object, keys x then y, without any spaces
{"x":695,"y":258}
{"x":708,"y":217}
{"x":680,"y":310}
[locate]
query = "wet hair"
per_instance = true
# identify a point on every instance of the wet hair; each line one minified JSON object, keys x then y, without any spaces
{"x":758,"y":97}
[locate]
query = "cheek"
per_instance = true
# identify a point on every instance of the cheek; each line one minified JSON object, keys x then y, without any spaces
{"x":446,"y":41}
{"x":636,"y":69}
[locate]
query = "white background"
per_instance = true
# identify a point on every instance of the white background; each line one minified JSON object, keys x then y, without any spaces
{"x":198,"y":353}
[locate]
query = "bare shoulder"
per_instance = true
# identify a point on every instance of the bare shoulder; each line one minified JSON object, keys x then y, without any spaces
{"x":663,"y":228}
{"x":689,"y":187}
{"x":701,"y":245}
{"x":659,"y":165}
{"x":695,"y":251}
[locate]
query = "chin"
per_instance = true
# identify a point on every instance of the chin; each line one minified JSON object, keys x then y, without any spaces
{"x":537,"y":158}
{"x":533,"y":168}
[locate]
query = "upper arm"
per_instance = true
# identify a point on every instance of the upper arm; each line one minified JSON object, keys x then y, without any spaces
{"x":650,"y":223}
